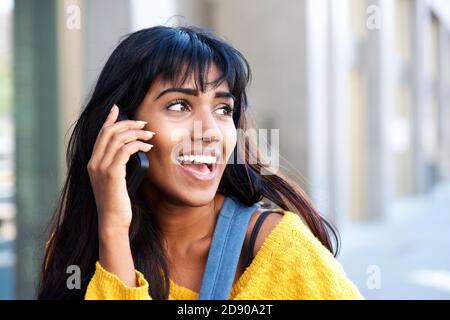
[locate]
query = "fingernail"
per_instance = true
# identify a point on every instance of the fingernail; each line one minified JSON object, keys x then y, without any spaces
{"x":141,"y":122}
{"x":149,"y":132}
{"x":113,"y":107}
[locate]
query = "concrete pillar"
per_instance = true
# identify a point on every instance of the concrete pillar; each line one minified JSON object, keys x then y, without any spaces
{"x":420,"y":92}
{"x":338,"y":65}
{"x":378,"y":176}
{"x":444,"y":102}
{"x":36,"y":133}
{"x":317,"y":50}
{"x":71,"y":71}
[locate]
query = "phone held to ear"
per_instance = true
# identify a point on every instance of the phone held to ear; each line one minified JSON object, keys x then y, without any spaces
{"x":137,"y":165}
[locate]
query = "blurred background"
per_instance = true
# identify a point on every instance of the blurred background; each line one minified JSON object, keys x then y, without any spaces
{"x":358,"y":89}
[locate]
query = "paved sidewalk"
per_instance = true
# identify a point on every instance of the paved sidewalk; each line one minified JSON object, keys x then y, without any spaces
{"x":409,"y":250}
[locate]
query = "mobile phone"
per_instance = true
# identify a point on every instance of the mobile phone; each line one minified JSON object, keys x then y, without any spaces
{"x":137,"y":165}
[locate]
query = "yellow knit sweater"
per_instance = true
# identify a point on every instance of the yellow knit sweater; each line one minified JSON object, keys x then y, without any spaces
{"x":291,"y":264}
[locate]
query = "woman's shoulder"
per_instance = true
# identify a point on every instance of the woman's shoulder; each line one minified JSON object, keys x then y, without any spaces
{"x":285,"y":232}
{"x":288,"y":246}
{"x":286,"y":239}
{"x":279,"y":224}
{"x":266,"y":227}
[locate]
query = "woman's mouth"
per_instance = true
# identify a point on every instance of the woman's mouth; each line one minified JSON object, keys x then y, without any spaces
{"x":200,"y":167}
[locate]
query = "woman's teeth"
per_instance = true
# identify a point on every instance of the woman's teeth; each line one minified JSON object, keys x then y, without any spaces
{"x":197,"y":159}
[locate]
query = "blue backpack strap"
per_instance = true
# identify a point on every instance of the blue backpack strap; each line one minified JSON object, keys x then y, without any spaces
{"x":226,"y":246}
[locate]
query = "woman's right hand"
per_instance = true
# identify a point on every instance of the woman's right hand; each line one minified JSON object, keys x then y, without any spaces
{"x":114,"y":145}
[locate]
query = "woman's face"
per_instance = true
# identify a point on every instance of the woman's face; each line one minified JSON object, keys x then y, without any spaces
{"x":181,"y":117}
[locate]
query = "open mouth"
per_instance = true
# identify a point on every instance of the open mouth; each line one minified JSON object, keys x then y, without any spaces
{"x":202,"y":167}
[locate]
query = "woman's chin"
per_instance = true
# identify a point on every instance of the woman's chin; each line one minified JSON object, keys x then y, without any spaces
{"x":198,"y":196}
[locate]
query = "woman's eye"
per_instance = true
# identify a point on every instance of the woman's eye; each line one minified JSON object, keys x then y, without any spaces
{"x":178,"y":106}
{"x":226,"y":110}
{"x":181,"y":105}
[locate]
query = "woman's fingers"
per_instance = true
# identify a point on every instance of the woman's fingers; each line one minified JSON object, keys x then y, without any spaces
{"x":99,"y":142}
{"x":121,"y":138}
{"x":110,"y":127}
{"x":117,"y":141}
{"x":112,"y":116}
{"x":124,"y":153}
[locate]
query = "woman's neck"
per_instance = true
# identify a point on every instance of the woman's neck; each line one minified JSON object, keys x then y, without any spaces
{"x":184,"y":228}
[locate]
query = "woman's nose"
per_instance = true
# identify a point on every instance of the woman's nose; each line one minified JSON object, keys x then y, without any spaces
{"x":206,"y":128}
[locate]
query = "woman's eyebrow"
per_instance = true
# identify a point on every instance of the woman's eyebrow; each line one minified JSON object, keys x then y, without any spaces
{"x":194,"y":92}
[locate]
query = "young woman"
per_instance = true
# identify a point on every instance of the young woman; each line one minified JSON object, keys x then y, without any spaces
{"x":155,"y":243}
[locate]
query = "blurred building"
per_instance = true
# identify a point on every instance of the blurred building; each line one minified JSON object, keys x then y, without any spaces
{"x":356,"y":87}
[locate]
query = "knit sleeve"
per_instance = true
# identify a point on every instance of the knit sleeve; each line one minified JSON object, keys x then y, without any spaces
{"x":107,"y":286}
{"x":313,"y":272}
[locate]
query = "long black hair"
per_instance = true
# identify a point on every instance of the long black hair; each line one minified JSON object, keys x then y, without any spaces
{"x":173,"y":53}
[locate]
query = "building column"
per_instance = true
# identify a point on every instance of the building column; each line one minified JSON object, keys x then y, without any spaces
{"x":444,"y":102}
{"x":420,"y":90}
{"x":338,"y":65}
{"x":36,"y":134}
{"x":379,"y":179}
{"x":317,"y":84}
{"x":71,"y":70}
